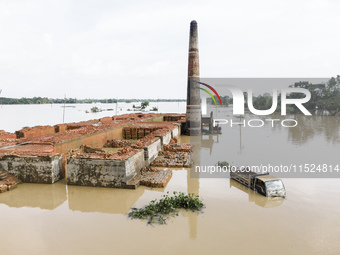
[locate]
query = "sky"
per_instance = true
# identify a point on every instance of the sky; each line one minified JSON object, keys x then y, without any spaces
{"x":139,"y":49}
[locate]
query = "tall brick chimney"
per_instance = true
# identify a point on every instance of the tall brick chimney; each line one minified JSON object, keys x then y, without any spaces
{"x":193,"y":117}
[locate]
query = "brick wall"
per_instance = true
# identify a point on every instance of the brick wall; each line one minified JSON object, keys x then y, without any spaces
{"x":104,"y":172}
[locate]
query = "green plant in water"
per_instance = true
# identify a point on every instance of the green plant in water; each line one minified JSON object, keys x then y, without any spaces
{"x":223,"y":163}
{"x":155,"y":211}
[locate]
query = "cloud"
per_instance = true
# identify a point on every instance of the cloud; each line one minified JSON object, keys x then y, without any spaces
{"x":47,"y":37}
{"x":63,"y":47}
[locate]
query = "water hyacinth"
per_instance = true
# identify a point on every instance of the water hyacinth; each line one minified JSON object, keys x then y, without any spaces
{"x":155,"y":211}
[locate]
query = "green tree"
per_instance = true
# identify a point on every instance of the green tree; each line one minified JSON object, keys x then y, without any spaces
{"x":315,"y":91}
{"x":330,"y":97}
{"x":144,"y":105}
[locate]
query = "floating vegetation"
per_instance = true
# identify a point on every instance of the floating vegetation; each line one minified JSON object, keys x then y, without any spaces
{"x":223,"y":163}
{"x":156,"y":211}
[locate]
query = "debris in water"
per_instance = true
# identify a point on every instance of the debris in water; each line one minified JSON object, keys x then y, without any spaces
{"x":155,"y":211}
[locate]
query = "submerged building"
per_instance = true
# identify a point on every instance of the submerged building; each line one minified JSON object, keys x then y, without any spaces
{"x":46,"y":154}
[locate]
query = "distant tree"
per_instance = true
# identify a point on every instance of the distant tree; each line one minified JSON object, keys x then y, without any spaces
{"x":95,"y":109}
{"x":315,"y":91}
{"x":225,"y":100}
{"x":263,"y":102}
{"x":144,"y":105}
{"x":323,"y":96}
{"x":330,"y":98}
{"x":45,"y":100}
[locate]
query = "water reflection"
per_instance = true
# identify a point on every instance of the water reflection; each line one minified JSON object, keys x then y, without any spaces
{"x":193,"y":186}
{"x":310,"y":127}
{"x":256,"y":198}
{"x":104,"y":200}
{"x":44,"y":196}
{"x":207,"y":141}
{"x":241,"y":146}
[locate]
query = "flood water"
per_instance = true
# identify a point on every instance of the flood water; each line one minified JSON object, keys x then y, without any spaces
{"x":15,"y":117}
{"x":61,"y":219}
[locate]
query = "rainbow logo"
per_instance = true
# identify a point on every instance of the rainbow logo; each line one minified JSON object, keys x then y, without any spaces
{"x":212,"y":89}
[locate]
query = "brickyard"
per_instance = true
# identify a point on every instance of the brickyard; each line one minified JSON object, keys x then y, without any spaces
{"x":47,"y":154}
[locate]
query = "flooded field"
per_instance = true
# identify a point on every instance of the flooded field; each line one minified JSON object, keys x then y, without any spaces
{"x":61,"y":219}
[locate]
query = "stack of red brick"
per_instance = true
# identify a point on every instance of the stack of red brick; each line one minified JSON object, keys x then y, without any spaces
{"x":145,"y":141}
{"x":116,"y":143}
{"x":7,"y":139}
{"x":7,"y":181}
{"x":156,"y":178}
{"x":177,"y":147}
{"x":52,"y":140}
{"x":123,"y":154}
{"x":139,"y":130}
{"x":134,"y":116}
{"x":174,"y":117}
{"x":172,"y":159}
{"x":174,"y":155}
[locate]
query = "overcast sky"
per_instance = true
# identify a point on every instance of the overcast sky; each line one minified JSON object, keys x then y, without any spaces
{"x":139,"y":49}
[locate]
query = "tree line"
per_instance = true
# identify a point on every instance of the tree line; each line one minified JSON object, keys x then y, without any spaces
{"x":45,"y":100}
{"x":325,"y":97}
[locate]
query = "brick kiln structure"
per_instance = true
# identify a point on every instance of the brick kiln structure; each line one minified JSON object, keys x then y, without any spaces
{"x":46,"y":154}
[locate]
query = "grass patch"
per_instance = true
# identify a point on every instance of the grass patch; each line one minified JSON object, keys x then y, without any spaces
{"x":157,"y":211}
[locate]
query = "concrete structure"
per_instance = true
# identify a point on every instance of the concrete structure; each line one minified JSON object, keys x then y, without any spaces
{"x":193,"y":116}
{"x":164,"y":135}
{"x":176,"y":132}
{"x":151,"y":149}
{"x":34,"y":169}
{"x":39,"y":154}
{"x":93,"y":170}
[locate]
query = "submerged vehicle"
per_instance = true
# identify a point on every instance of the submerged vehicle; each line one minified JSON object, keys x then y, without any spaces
{"x":253,"y":197}
{"x":264,"y":183}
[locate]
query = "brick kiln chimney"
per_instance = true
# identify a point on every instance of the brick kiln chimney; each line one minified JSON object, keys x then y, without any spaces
{"x":193,"y":117}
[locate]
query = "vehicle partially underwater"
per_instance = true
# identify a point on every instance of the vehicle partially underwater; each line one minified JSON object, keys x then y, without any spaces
{"x":263,"y":183}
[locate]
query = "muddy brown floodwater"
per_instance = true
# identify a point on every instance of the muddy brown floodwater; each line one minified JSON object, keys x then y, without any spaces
{"x":61,"y":219}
